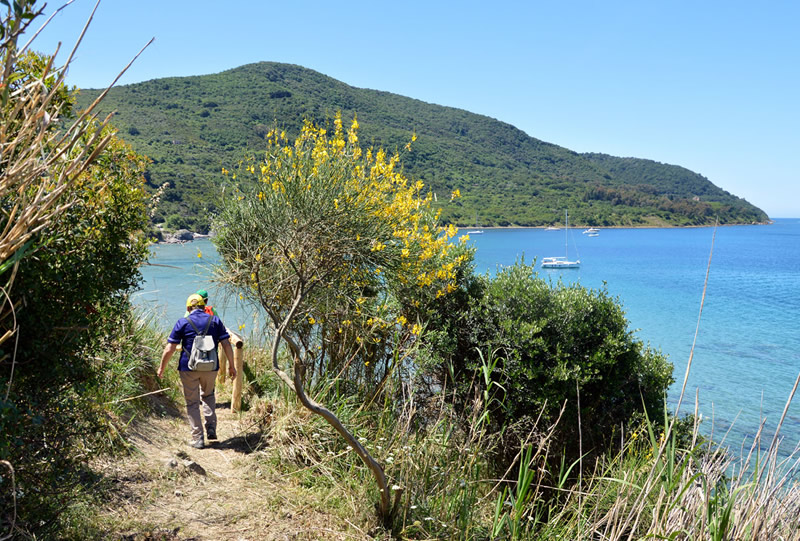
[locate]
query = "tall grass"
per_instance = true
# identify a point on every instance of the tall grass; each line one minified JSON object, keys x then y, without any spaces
{"x":664,"y":481}
{"x":126,"y":362}
{"x":660,"y":484}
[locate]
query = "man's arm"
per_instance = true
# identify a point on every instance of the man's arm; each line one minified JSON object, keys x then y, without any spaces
{"x":228,"y":349}
{"x":169,"y":349}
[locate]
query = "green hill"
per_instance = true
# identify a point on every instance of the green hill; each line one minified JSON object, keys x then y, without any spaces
{"x":192,"y":127}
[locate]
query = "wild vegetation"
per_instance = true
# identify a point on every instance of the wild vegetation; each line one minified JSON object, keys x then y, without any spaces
{"x":193,"y":127}
{"x":501,"y":407}
{"x":331,"y":241}
{"x":73,"y":221}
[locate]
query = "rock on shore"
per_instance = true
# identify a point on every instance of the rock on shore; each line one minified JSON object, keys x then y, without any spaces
{"x":181,"y":235}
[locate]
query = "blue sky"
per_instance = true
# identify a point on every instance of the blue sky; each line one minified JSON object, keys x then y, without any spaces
{"x":713,"y":86}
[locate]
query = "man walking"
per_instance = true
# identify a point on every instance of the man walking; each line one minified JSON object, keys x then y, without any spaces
{"x":198,"y":387}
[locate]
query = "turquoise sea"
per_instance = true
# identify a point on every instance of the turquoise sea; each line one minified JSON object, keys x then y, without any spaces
{"x":747,"y":354}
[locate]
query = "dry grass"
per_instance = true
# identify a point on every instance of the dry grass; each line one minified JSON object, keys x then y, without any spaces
{"x":685,"y":496}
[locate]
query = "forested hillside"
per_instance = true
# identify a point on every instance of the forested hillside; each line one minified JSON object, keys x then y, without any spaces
{"x":192,"y":127}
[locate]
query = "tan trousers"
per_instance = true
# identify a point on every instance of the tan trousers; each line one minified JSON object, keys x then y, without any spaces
{"x":198,"y":388}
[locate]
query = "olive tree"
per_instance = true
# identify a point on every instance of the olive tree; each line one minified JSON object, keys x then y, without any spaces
{"x":326,"y":237}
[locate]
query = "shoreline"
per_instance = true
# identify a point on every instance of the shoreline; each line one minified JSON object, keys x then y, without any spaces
{"x":183,"y":236}
{"x":601,"y":227}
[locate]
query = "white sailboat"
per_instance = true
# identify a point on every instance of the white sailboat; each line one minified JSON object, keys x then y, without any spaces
{"x":562,"y":262}
{"x":475,"y":231}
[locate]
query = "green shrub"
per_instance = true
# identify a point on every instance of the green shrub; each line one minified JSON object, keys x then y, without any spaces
{"x":176,"y":222}
{"x":77,"y":266}
{"x":558,"y":344}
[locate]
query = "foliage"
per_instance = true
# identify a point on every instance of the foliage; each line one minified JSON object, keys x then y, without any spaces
{"x":658,"y":483}
{"x":39,"y":164}
{"x":343,"y":227}
{"x":193,"y":126}
{"x":73,"y":212}
{"x":69,"y":290}
{"x":560,"y":345}
{"x":330,"y":241}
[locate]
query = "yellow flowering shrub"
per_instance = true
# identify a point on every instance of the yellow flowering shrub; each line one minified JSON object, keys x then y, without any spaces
{"x":333,"y":241}
{"x":335,"y":231}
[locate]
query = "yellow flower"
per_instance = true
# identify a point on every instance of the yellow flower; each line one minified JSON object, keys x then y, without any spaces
{"x":456,"y":193}
{"x":199,"y":254}
{"x":311,"y":320}
{"x":402,"y":320}
{"x":416,"y":329}
{"x":241,"y":326}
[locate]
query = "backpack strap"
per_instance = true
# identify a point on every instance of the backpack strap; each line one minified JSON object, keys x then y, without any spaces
{"x":205,"y":331}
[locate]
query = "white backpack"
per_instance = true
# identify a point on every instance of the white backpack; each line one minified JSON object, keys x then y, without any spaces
{"x":203,"y":357}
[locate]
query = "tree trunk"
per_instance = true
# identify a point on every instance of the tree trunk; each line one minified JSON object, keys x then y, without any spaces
{"x":330,"y":417}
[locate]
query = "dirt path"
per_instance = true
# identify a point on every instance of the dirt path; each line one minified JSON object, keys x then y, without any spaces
{"x":167,"y":490}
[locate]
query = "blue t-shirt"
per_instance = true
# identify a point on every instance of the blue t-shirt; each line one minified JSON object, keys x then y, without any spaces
{"x":183,"y":333}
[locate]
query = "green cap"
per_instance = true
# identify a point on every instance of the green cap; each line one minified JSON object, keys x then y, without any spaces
{"x":203,"y":293}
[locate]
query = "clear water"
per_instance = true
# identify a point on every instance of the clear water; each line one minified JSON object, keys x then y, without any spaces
{"x":747,"y":355}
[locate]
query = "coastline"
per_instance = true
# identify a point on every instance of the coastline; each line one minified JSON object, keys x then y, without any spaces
{"x":560,"y":227}
{"x":180,"y":236}
{"x":183,"y":235}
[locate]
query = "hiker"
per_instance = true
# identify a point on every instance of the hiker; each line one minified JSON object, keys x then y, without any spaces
{"x":198,"y":386}
{"x":208,"y":309}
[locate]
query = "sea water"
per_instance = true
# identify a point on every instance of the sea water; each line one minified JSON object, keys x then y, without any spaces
{"x":746,"y":357}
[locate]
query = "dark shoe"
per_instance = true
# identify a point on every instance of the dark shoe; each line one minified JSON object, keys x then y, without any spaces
{"x":197,"y":444}
{"x":211,"y":433}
